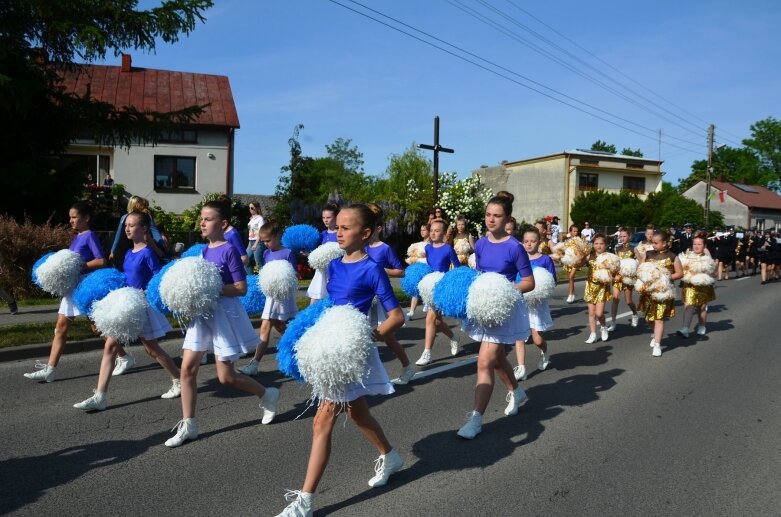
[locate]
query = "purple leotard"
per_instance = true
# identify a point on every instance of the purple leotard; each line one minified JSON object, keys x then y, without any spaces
{"x":507,"y":258}
{"x":357,"y":283}
{"x":140,"y":266}
{"x":234,"y":238}
{"x":87,"y":245}
{"x":440,"y":259}
{"x":384,"y":256}
{"x":281,"y":254}
{"x":227,"y":259}
{"x":546,"y":262}
{"x":326,"y":236}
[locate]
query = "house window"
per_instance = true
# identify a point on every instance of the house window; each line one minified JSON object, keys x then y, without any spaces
{"x":179,"y":136}
{"x":174,"y":173}
{"x":588,"y":182}
{"x":634,"y":184}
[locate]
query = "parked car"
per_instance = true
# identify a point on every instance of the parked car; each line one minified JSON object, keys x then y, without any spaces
{"x":636,"y":238}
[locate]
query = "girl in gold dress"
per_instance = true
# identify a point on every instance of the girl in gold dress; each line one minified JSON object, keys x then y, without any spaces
{"x":413,"y":304}
{"x":624,"y":251}
{"x":463,"y":243}
{"x":696,"y":297}
{"x":596,"y":293}
{"x":655,"y":311}
{"x":571,"y":270}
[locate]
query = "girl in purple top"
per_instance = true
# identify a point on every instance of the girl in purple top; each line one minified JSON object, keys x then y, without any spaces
{"x":539,"y":314}
{"x":383,"y":255}
{"x":87,"y":245}
{"x":276,"y":313}
{"x":140,"y":264}
{"x":440,"y":256}
{"x":355,"y":280}
{"x":499,"y":252}
{"x":227,"y":331}
{"x":317,"y":288}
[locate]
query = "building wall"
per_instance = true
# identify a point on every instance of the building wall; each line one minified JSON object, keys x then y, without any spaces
{"x":134,"y":167}
{"x":735,"y":213}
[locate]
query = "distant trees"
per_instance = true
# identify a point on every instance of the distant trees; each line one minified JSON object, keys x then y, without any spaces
{"x":599,"y":145}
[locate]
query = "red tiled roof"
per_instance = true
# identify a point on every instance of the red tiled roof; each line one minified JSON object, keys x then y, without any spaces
{"x":156,"y":90}
{"x":762,"y":198}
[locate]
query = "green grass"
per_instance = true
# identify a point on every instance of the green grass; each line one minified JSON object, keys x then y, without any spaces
{"x":32,"y":333}
{"x":29,"y":302}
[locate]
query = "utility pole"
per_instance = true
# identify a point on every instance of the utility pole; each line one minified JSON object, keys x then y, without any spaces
{"x":437,"y":149}
{"x":708,"y":173}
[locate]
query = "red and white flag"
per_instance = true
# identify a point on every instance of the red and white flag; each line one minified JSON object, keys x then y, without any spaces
{"x":722,"y":196}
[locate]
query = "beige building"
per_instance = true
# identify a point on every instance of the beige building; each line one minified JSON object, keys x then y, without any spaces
{"x":548,"y":185}
{"x":747,"y":206}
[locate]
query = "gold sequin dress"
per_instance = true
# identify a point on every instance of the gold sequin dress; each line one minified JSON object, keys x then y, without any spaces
{"x":596,"y":292}
{"x":624,"y":251}
{"x":545,"y":248}
{"x":658,"y":310}
{"x":463,"y":249}
{"x":697,"y":295}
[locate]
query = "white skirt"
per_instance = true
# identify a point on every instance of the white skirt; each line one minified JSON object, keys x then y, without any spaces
{"x":155,"y":325}
{"x":377,"y":314}
{"x":317,"y":289}
{"x":516,"y":328}
{"x":539,"y":316}
{"x":282,"y":310}
{"x":68,"y":307}
{"x":227,"y":331}
{"x":375,"y":381}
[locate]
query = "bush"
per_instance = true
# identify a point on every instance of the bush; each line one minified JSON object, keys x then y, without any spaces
{"x":21,"y":245}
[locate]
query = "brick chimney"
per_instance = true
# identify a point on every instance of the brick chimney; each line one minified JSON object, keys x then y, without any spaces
{"x":127,"y":63}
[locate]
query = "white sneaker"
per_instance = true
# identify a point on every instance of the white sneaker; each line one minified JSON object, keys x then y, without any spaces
{"x":251,"y":368}
{"x":652,"y":343}
{"x":683,"y":332}
{"x":410,"y":314}
{"x":186,"y":429}
{"x":205,"y":358}
{"x":425,"y":308}
{"x":45,"y":372}
{"x":700,"y":330}
{"x":268,"y":403}
{"x":592,"y":338}
{"x":570,"y":298}
{"x":384,"y":467}
{"x":123,"y":364}
{"x":425,"y":358}
{"x":605,"y":333}
{"x":657,"y":351}
{"x":544,"y":362}
{"x":455,"y":347}
{"x":520,"y":372}
{"x":612,"y":326}
{"x":634,"y":320}
{"x":301,"y":505}
{"x":407,"y":373}
{"x":472,"y":427}
{"x":174,"y":391}
{"x":515,"y":399}
{"x":96,"y":402}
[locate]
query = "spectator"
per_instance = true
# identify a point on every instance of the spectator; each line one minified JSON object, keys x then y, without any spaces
{"x":587,"y":232}
{"x":555,"y":229}
{"x":255,"y":248}
{"x":121,"y":243}
{"x":108,"y":181}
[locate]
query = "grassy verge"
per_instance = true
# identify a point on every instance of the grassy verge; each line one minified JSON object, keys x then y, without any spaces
{"x":31,"y":333}
{"x":30,"y":302}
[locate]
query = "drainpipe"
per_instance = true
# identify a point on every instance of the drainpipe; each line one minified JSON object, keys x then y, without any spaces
{"x":229,"y":165}
{"x":568,"y":172}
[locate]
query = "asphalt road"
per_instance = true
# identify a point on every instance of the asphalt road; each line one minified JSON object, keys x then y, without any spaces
{"x":608,"y":430}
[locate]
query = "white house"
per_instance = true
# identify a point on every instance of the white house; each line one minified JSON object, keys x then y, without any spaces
{"x":186,"y":163}
{"x":742,"y":205}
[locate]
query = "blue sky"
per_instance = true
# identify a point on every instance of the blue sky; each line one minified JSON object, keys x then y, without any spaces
{"x":344,"y":75}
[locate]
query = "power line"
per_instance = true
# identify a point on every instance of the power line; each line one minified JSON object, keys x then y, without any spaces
{"x":503,"y":75}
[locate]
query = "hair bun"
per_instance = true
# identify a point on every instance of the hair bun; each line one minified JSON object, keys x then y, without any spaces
{"x":506,"y":195}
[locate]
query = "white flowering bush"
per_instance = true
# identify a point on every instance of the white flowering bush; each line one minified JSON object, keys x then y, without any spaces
{"x":467,"y":198}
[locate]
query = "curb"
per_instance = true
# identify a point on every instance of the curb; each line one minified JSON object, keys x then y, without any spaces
{"x":41,"y":350}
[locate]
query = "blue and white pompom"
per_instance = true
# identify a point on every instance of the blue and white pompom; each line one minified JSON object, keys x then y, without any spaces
{"x":96,"y":286}
{"x":59,"y":274}
{"x":492,"y":299}
{"x":324,"y":254}
{"x":191,"y":287}
{"x":412,"y":277}
{"x":196,"y":250}
{"x":301,"y":237}
{"x":451,"y":292}
{"x":304,"y":320}
{"x":37,"y":264}
{"x":153,"y":290}
{"x":544,"y":285}
{"x":426,"y":287}
{"x":254,"y":300}
{"x":278,"y":280}
{"x":334,"y":352}
{"x":121,"y":314}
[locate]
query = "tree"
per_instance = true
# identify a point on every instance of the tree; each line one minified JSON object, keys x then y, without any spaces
{"x":765,"y":143}
{"x":40,"y":40}
{"x":599,"y":145}
{"x":626,"y":151}
{"x":734,"y":164}
{"x":669,"y":207}
{"x":408,"y":186}
{"x":349,"y":157}
{"x":603,"y":209}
